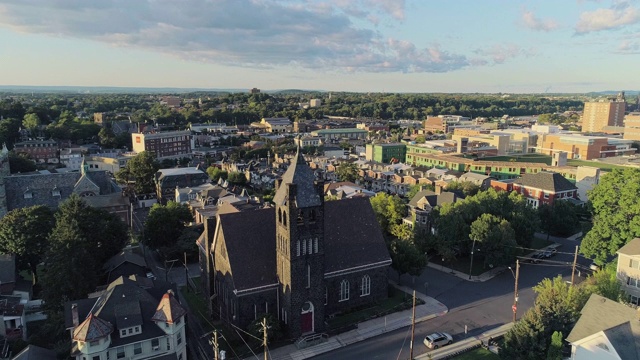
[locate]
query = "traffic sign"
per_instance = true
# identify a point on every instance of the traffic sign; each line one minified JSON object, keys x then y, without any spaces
{"x":514,"y":308}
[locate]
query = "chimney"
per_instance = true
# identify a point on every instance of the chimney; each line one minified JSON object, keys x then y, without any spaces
{"x":74,"y":315}
{"x":438,"y":189}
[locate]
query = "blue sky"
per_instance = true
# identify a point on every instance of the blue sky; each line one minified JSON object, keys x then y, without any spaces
{"x":491,"y":46}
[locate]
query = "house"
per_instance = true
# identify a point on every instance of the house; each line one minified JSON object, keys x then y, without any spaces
{"x":12,"y":318}
{"x":606,"y":330}
{"x":41,"y":151}
{"x":423,"y":202}
{"x":628,"y":270}
{"x":545,"y":187}
{"x":483,"y":181}
{"x":167,"y":180}
{"x":32,"y":352}
{"x":346,"y":189}
{"x":309,"y":258}
{"x":124,"y":264}
{"x":133,"y":318}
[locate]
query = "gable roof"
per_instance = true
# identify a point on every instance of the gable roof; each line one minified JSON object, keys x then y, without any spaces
{"x":121,"y":258}
{"x":617,"y":321}
{"x":92,"y":328}
{"x":434,"y":199}
{"x":352,"y":238}
{"x":632,"y":248}
{"x":300,"y":174}
{"x":546,"y":180}
{"x":32,"y":352}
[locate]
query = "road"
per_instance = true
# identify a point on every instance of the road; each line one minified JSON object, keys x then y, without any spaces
{"x":478,"y":306}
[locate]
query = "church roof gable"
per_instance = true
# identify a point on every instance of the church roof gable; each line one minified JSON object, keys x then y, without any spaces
{"x":300,"y":174}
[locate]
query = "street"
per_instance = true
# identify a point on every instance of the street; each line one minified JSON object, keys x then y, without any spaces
{"x":477,"y":305}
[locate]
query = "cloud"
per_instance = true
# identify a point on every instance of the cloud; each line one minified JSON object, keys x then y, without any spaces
{"x":500,"y":53}
{"x":621,"y":13}
{"x":244,"y":33}
{"x":628,"y":47}
{"x":366,"y":8}
{"x":532,"y":22}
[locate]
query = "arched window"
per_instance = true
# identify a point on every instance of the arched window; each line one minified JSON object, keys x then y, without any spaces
{"x":315,"y":245}
{"x":365,"y":286}
{"x":312,"y":215}
{"x":284,"y":218}
{"x":310,"y":246}
{"x":280,"y":216}
{"x":300,"y":217}
{"x":308,"y":276}
{"x":344,"y":290}
{"x":304,"y":247}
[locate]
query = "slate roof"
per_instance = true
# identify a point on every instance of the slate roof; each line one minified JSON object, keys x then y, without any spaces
{"x":121,"y":258}
{"x":352,"y":238}
{"x":433,"y":199}
{"x":92,"y":328}
{"x":32,"y":352}
{"x":169,"y":310}
{"x":632,"y":248}
{"x":125,"y":301}
{"x":42,"y":185}
{"x":546,"y":180}
{"x":618,"y":322}
{"x":301,"y":174}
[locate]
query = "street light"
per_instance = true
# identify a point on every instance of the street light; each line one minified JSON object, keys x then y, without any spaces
{"x":473,"y":247}
{"x":515,"y":291}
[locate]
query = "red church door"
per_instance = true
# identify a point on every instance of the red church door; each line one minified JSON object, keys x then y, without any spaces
{"x":306,"y":322}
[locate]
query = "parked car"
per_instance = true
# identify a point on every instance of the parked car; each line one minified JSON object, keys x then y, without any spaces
{"x":549,"y":253}
{"x":535,"y":258}
{"x":594,"y":266}
{"x":437,"y":339}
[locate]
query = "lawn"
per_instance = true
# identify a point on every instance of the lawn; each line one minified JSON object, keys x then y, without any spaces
{"x":600,"y":165}
{"x":477,"y":354}
{"x":528,"y":158}
{"x":397,"y":301}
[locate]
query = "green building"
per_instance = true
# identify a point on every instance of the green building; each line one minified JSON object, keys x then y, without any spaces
{"x":384,"y":153}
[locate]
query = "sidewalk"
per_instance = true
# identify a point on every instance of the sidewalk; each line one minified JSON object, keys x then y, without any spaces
{"x":486,"y":275}
{"x":366,"y":329}
{"x":466,"y":344}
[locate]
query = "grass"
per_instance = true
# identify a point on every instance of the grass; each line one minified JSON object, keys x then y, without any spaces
{"x":397,"y":301}
{"x":600,"y":165}
{"x":529,"y":158}
{"x":477,"y":354}
{"x":198,"y":305}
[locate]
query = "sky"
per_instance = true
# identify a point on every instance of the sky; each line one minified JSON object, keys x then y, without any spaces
{"x":467,"y":46}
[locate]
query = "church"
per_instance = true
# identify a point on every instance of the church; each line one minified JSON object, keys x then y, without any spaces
{"x":302,"y":260}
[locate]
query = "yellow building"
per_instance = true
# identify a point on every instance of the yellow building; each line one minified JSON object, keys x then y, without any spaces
{"x":598,"y":115}
{"x":632,"y":126}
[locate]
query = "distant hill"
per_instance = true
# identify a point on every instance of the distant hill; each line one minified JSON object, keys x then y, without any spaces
{"x":109,"y":90}
{"x":613,"y":92}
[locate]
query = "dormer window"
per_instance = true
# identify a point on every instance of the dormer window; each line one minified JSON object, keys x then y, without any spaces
{"x":28,"y":194}
{"x":55,"y":191}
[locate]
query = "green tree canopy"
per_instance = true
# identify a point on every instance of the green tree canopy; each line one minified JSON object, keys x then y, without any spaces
{"x":164,"y":225}
{"x":237,"y":178}
{"x":347,"y":171}
{"x":616,"y":214}
{"x":140,"y":171}
{"x":216,"y":173}
{"x":25,"y":232}
{"x":20,"y":163}
{"x":389,"y":210}
{"x":559,"y":219}
{"x":31,"y":122}
{"x":495,"y":238}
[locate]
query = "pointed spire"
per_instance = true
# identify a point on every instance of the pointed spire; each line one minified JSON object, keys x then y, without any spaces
{"x":84,"y":168}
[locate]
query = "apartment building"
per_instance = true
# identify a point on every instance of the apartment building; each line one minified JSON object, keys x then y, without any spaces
{"x":385,"y":153}
{"x":599,"y":114}
{"x":41,"y":151}
{"x":164,"y":145}
{"x":632,"y":126}
{"x":583,"y":147}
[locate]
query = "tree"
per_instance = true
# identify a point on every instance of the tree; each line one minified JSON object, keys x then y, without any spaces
{"x":555,"y":348}
{"x":83,"y":239}
{"x":107,"y":137}
{"x":604,"y":282}
{"x":347,"y":171}
{"x":20,"y":163}
{"x":495,"y":237}
{"x":25,"y":233}
{"x":557,"y":308}
{"x":164,"y":225}
{"x":237,"y":178}
{"x":389,"y":210}
{"x":466,"y":187}
{"x":140,"y":170}
{"x":406,"y":258}
{"x":560,"y":219}
{"x":31,"y":122}
{"x":216,"y":173}
{"x":274,"y":331}
{"x":616,"y":214}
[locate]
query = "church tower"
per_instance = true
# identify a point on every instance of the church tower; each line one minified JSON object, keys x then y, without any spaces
{"x":4,"y":172}
{"x":299,"y":211}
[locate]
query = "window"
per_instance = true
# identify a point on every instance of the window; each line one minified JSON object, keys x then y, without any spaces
{"x":179,"y":337}
{"x":315,"y":245}
{"x":255,"y":312}
{"x":304,"y":247}
{"x":365,"y":287}
{"x":284,"y":218}
{"x":344,"y":290}
{"x":96,"y":357}
{"x":120,"y":352}
{"x":298,"y":248}
{"x":326,"y":296}
{"x":155,"y":344}
{"x":168,"y":344}
{"x":310,"y":246}
{"x":137,"y":348}
{"x":634,"y":264}
{"x":308,"y":276}
{"x":633,"y":282}
{"x":130,"y":330}
{"x":280,"y":215}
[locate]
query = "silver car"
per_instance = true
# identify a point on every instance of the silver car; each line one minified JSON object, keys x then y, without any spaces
{"x":437,"y":339}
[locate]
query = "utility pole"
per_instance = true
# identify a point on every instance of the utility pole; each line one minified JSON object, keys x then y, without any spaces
{"x":515,"y":292}
{"x":573,"y":268}
{"x":413,"y":326}
{"x":215,"y":344}
{"x":186,"y":271}
{"x":264,"y":338}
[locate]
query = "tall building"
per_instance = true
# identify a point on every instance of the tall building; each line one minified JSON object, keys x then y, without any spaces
{"x":164,"y":145}
{"x":632,"y":126}
{"x":386,"y":153}
{"x":599,"y":114}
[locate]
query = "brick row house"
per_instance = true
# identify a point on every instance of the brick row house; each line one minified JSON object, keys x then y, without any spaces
{"x":540,"y":188}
